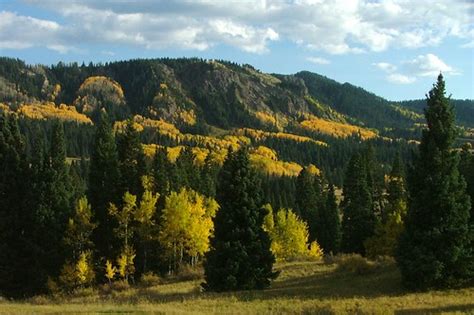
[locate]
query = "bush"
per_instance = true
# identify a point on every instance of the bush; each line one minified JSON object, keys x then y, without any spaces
{"x":187,"y":273}
{"x":150,"y":279}
{"x":120,"y":285}
{"x":355,"y":263}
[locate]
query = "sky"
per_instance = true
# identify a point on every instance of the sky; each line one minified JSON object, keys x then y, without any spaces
{"x":393,"y":48}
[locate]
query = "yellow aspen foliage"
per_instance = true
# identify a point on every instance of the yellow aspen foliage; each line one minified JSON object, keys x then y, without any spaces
{"x":336,"y":129}
{"x":315,"y":251}
{"x":48,"y":110}
{"x":186,"y":225}
{"x":268,"y":221}
{"x":266,"y":160}
{"x":84,"y":269}
{"x":313,"y":170}
{"x":110,"y":271}
{"x":125,"y":262}
{"x":99,"y":92}
{"x":289,"y":236}
{"x":266,"y":118}
{"x":260,"y":135}
{"x":124,"y":216}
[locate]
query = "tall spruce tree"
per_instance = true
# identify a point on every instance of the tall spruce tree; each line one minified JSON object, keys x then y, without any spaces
{"x":240,"y":256}
{"x":307,"y":201}
{"x":358,"y":221}
{"x":329,"y":234}
{"x":17,"y":261}
{"x":131,"y":160}
{"x":435,"y":249}
{"x":56,"y":206}
{"x":466,"y":168}
{"x":103,"y":181}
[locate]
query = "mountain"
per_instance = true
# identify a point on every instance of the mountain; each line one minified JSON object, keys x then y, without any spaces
{"x":302,"y":118}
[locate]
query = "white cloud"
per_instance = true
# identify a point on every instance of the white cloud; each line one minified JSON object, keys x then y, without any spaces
{"x":247,"y":38}
{"x":336,"y":26}
{"x":20,"y":32}
{"x":428,"y":65}
{"x":385,"y":66}
{"x":408,"y":71}
{"x":400,"y":78}
{"x":318,"y":60}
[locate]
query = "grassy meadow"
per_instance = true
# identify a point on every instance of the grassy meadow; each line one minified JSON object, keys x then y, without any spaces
{"x":301,"y":288}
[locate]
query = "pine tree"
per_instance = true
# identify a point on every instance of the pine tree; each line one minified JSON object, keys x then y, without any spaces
{"x":396,"y":187}
{"x":161,"y":173}
{"x":187,"y":172}
{"x":240,"y":256}
{"x":103,"y":179}
{"x":18,"y":272}
{"x":131,"y":161}
{"x":358,"y":221}
{"x":307,"y":201}
{"x":435,"y":249}
{"x":466,"y":168}
{"x":387,"y":232}
{"x":54,"y":208}
{"x":209,"y":173}
{"x":329,"y":234}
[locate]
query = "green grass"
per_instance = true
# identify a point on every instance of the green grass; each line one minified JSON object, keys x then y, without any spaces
{"x":302,"y":288}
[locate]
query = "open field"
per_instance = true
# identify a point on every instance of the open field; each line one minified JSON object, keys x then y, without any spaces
{"x":302,"y":288}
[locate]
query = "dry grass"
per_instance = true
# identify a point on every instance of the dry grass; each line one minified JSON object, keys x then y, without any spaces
{"x":302,"y":288}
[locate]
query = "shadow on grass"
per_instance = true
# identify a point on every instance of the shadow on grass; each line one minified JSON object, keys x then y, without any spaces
{"x":317,"y":285}
{"x":464,"y":308}
{"x":384,"y":282}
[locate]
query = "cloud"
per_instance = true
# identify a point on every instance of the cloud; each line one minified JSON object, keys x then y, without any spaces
{"x":20,"y":32}
{"x":385,"y":66}
{"x":428,"y":65}
{"x":335,"y":27}
{"x":400,"y":78}
{"x":408,"y":71}
{"x":318,"y":60}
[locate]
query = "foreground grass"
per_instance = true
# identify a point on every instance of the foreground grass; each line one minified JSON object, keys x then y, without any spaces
{"x":302,"y":288}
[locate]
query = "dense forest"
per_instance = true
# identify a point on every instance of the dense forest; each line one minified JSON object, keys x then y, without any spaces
{"x":113,"y":172}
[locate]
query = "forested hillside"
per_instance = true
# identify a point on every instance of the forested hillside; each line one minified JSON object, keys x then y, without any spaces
{"x":143,"y":167}
{"x":290,"y":120}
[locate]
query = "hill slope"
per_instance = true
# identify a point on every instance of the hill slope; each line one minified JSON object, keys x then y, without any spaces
{"x":211,"y":104}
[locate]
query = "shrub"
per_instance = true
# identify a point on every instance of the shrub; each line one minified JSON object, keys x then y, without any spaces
{"x":150,"y":279}
{"x":355,"y":263}
{"x":120,"y":285}
{"x":187,"y":272}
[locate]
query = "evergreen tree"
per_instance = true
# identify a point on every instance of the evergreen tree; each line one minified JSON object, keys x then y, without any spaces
{"x":358,"y":216}
{"x":18,"y":272}
{"x":208,"y":177}
{"x":161,"y":173}
{"x":187,"y":172}
{"x":306,"y":200}
{"x":54,"y":207}
{"x":329,"y":234}
{"x":396,"y":188}
{"x":387,"y":232}
{"x":435,"y":249}
{"x":240,"y":256}
{"x":131,"y":160}
{"x":466,"y":168}
{"x":103,"y":180}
